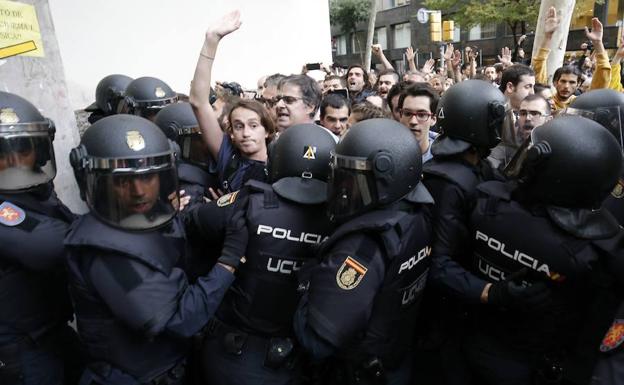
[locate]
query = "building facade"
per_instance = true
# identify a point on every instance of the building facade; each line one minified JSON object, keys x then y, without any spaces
{"x":397,"y":28}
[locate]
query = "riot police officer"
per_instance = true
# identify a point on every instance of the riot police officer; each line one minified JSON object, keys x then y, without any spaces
{"x":145,"y":96}
{"x":36,"y":344}
{"x":363,"y":295}
{"x":135,"y":308}
{"x":109,"y":93}
{"x":552,"y":259}
{"x":606,"y":106}
{"x":178,"y":123}
{"x":251,"y":339}
{"x":470,"y":118}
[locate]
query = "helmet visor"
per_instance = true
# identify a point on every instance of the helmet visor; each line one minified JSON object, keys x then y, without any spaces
{"x":514,"y":168}
{"x":194,"y":150}
{"x":608,"y":117}
{"x":351,"y":190}
{"x":26,"y":161}
{"x":135,"y":200}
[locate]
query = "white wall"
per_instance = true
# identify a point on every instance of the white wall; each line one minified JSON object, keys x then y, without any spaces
{"x":162,"y":38}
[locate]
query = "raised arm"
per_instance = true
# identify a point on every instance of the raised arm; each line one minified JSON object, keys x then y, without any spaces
{"x":551,"y":24}
{"x":377,"y":51}
{"x":602,"y":73}
{"x":200,"y":87}
{"x":409,"y":55}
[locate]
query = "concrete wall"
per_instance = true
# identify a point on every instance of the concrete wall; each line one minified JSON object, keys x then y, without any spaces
{"x":162,"y":38}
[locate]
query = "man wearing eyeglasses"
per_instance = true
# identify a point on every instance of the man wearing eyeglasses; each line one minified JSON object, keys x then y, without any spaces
{"x":416,"y":104}
{"x":298,"y":98}
{"x":533,"y":111}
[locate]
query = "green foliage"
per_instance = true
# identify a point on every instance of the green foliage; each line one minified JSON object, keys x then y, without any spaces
{"x":348,"y":13}
{"x":472,"y":12}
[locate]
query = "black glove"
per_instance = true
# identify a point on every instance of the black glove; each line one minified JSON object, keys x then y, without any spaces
{"x":236,"y":233}
{"x":508,"y":293}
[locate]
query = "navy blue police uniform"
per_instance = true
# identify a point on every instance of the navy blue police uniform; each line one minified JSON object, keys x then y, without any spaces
{"x":135,"y":309}
{"x":250,"y":340}
{"x":553,"y":337}
{"x":36,"y":343}
{"x":363,"y":297}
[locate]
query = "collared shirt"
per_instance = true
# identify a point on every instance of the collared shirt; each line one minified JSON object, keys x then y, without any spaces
{"x":427,"y":154}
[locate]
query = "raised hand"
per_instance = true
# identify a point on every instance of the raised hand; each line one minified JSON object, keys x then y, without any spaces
{"x":376,"y":49}
{"x":448,"y":52}
{"x":409,"y":54}
{"x":428,"y":67}
{"x":229,"y":23}
{"x":552,"y":22}
{"x":505,"y":56}
{"x":596,"y":31}
{"x":456,"y":59}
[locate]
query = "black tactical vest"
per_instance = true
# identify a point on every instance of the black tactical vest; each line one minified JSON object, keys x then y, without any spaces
{"x":107,"y":339}
{"x":404,"y":244}
{"x":507,"y":238}
{"x":283,"y":236}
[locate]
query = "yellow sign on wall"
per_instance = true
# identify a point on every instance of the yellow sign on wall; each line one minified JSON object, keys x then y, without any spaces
{"x":19,"y":30}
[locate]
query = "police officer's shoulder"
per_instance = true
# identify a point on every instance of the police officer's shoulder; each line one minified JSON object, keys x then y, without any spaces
{"x":351,"y":270}
{"x":11,"y":215}
{"x":496,"y":189}
{"x":227,"y":199}
{"x":149,"y":248}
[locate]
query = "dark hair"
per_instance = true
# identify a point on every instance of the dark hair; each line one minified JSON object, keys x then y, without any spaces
{"x":334,"y":101}
{"x":565,"y":70}
{"x":367,"y":110}
{"x":343,"y":82}
{"x":310,"y":90}
{"x":421,"y":89}
{"x":539,"y":87}
{"x":258,"y":108}
{"x":388,"y":72}
{"x":397,"y":89}
{"x":534,"y":97}
{"x":513,"y":74}
{"x":366,"y":79}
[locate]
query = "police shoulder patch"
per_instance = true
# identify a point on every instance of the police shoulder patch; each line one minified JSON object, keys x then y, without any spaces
{"x":614,"y":337}
{"x":618,"y":190}
{"x":10,"y":214}
{"x":227,"y":199}
{"x":350,"y":274}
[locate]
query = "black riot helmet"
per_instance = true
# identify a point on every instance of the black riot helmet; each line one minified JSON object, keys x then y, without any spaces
{"x":376,"y":163}
{"x":470,"y":113}
{"x":26,"y":151}
{"x":299,"y":163}
{"x":145,"y":96}
{"x":605,"y":106}
{"x":178,"y":122}
{"x":125,"y":168}
{"x":108,"y":93}
{"x":572,"y":162}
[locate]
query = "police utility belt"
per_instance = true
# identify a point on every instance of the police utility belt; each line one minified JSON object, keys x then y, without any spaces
{"x":173,"y":376}
{"x":279,"y":351}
